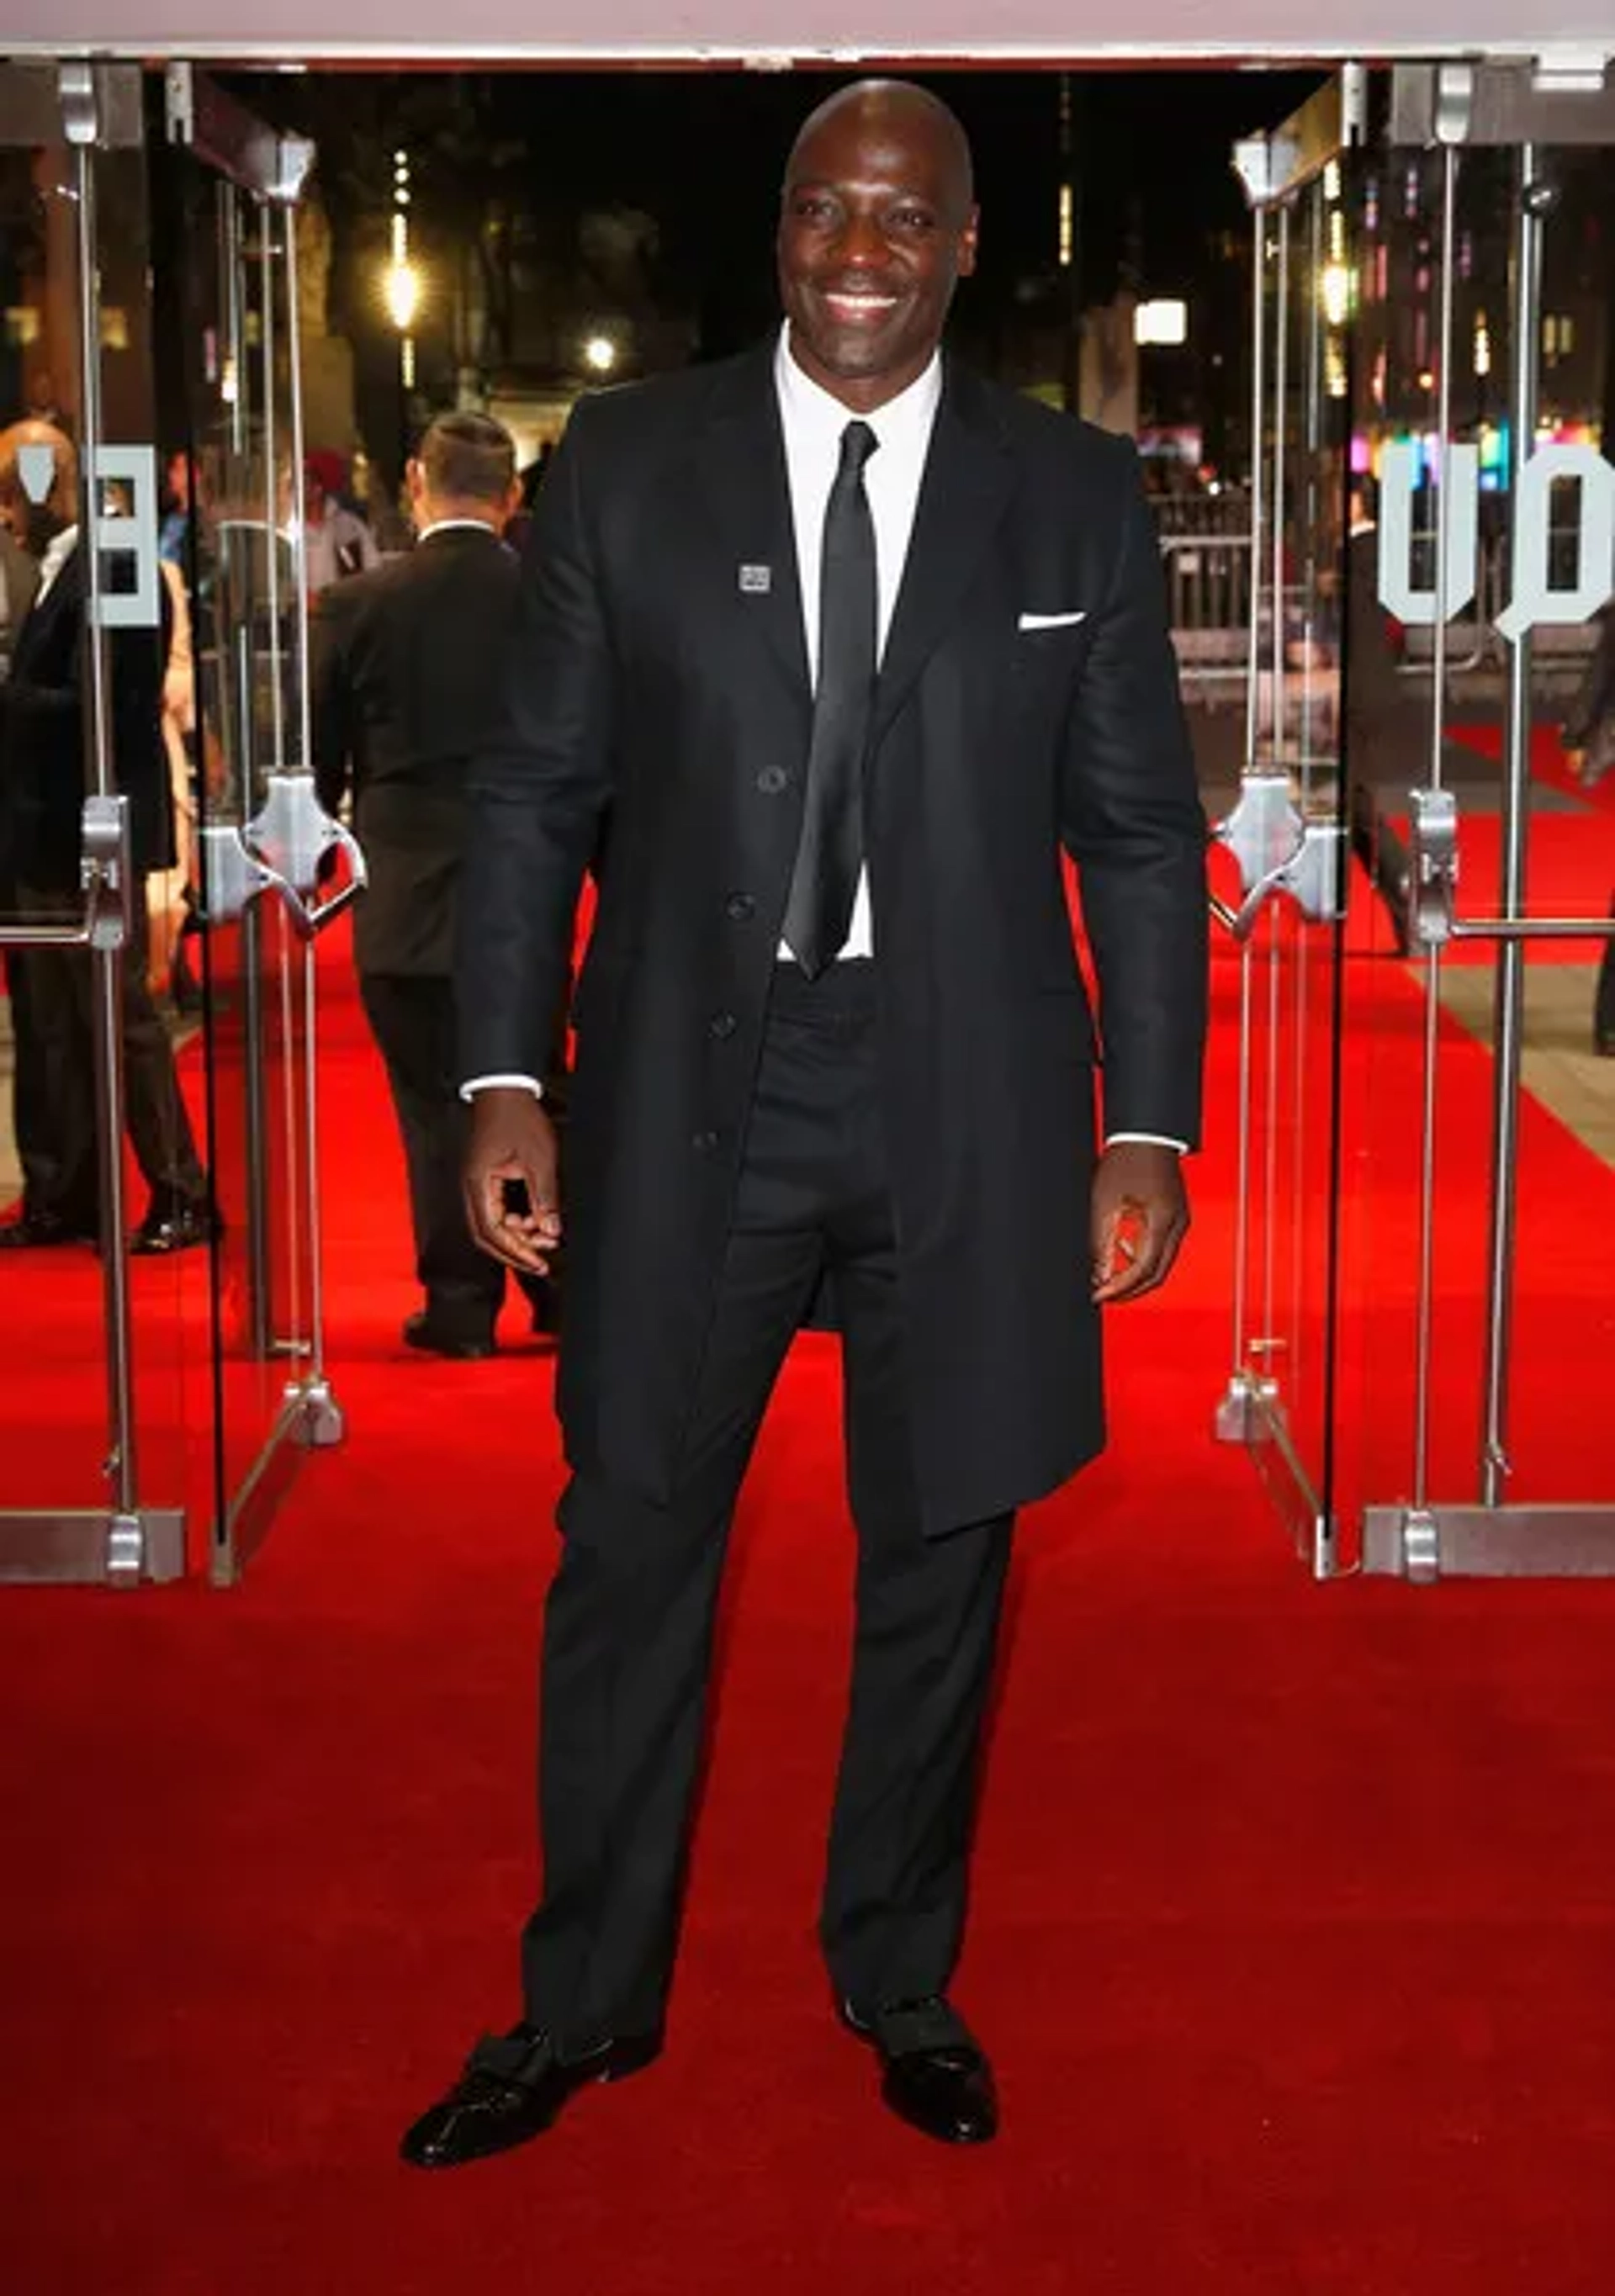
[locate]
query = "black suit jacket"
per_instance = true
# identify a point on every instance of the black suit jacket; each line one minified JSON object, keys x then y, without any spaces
{"x":19,"y":580}
{"x":405,"y":668}
{"x":43,"y":726}
{"x":650,"y":680}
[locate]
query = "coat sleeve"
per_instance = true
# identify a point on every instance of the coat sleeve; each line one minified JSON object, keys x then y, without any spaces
{"x":1133,"y":822}
{"x":540,"y":787}
{"x":329,"y":708}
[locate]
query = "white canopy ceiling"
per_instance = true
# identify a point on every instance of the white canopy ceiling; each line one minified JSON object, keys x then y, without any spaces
{"x":834,"y":31}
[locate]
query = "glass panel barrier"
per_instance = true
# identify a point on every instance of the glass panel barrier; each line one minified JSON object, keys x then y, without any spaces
{"x":1280,"y":889}
{"x":104,"y":1359}
{"x":1481,"y":1241}
{"x":263,"y":838}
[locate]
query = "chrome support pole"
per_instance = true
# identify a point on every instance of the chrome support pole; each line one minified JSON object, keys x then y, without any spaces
{"x":106,"y":958}
{"x":235,"y":545}
{"x":1280,"y":384}
{"x":1424,"y":1346}
{"x":1278,"y":525}
{"x":1313,"y":383}
{"x":1514,"y":796}
{"x":272,"y":456}
{"x":1259,"y":450}
{"x":1258,"y":419}
{"x":287,"y":1325}
{"x":305,"y":758}
{"x":1311,"y":520}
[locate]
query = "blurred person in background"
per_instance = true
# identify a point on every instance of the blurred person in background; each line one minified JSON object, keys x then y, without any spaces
{"x":404,"y":659}
{"x":41,"y":793}
{"x":338,"y":541}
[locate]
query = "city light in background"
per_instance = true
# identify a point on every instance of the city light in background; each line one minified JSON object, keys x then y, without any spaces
{"x":1335,"y":292}
{"x":402,"y":286}
{"x":1164,"y":320}
{"x":600,"y":353}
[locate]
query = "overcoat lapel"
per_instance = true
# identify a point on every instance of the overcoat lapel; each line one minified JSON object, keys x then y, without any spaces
{"x":741,"y":465}
{"x":969,"y":478}
{"x":967,"y":483}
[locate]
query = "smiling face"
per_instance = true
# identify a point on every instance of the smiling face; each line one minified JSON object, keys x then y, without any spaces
{"x":876,"y":225}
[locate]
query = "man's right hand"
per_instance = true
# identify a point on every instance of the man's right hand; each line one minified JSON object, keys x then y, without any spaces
{"x":511,"y":1138}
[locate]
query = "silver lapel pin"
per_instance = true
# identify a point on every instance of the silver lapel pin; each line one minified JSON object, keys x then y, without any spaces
{"x":756,"y":581}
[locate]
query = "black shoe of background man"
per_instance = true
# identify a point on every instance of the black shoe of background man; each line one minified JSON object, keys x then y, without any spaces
{"x":174,"y":1222}
{"x":934,"y":2075}
{"x":459,"y":1347}
{"x":37,"y":1230}
{"x":512,"y":2090}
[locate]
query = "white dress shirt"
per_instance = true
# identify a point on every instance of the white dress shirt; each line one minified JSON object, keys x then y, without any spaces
{"x":58,"y":550}
{"x":811,"y":422}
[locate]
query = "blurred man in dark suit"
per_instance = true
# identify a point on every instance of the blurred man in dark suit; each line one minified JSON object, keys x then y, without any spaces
{"x":405,"y":663}
{"x":41,"y":792}
{"x":19,"y":580}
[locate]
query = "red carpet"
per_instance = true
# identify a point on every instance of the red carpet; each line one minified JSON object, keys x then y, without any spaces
{"x":1293,"y":1929}
{"x":1569,"y":857}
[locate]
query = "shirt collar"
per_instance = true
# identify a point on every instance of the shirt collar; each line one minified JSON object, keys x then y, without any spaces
{"x":807,"y":407}
{"x":58,"y":550}
{"x":456,"y":526}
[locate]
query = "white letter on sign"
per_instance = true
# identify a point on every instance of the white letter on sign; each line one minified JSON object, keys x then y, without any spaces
{"x":132,"y":537}
{"x":1533,"y":602}
{"x":1459,"y":516}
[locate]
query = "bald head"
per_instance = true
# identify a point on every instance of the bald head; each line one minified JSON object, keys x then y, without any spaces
{"x":38,"y":489}
{"x":898,"y":105}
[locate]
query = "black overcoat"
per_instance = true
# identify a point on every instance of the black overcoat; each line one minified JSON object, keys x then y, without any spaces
{"x":657,"y":717}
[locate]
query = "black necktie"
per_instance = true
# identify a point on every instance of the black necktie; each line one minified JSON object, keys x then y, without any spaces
{"x":830,"y":854}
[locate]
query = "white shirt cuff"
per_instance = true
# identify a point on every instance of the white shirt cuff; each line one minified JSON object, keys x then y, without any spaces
{"x":474,"y":1085}
{"x":1150,"y":1139}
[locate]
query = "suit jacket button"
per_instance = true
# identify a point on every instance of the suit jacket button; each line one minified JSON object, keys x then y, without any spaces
{"x":704,"y":1143}
{"x":772,"y":780}
{"x":722,"y":1025}
{"x":740,"y":908}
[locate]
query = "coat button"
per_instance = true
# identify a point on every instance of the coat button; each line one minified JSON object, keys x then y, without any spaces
{"x":772,"y":780}
{"x":722,"y":1025}
{"x":740,"y":908}
{"x":704,"y":1143}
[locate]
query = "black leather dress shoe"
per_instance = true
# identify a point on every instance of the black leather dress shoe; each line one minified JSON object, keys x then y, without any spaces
{"x":419,"y":1332}
{"x":512,"y":2089}
{"x":37,"y":1231}
{"x":175,"y":1224}
{"x":934,"y":2074}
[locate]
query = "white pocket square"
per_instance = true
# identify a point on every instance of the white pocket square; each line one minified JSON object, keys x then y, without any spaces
{"x":1052,"y":621}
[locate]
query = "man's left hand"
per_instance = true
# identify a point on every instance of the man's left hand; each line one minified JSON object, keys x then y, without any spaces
{"x":1140,"y":1217}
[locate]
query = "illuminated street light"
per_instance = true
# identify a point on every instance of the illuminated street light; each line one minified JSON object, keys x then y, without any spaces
{"x":1334,"y":289}
{"x":600,"y":353}
{"x":403,"y":291}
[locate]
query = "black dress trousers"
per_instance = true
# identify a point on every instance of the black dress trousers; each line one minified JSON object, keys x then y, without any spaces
{"x":60,"y":1008}
{"x":629,"y":1618}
